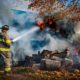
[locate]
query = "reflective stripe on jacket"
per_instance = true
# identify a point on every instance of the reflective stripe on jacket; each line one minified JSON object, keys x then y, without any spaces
{"x":4,"y":44}
{"x":4,"y":49}
{"x":8,"y":41}
{"x":8,"y":69}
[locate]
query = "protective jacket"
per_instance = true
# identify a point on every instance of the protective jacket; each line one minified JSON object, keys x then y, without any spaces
{"x":5,"y":51}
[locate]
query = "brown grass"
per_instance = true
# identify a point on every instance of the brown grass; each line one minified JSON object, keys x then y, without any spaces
{"x":23,"y":73}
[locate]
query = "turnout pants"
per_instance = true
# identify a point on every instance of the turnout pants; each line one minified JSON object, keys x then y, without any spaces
{"x":7,"y":61}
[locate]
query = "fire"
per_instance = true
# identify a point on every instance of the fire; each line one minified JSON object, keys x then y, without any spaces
{"x":41,"y":24}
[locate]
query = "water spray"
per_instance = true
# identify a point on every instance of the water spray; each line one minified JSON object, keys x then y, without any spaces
{"x":26,"y":34}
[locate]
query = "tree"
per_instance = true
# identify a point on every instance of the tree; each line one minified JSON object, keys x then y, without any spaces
{"x":57,"y":8}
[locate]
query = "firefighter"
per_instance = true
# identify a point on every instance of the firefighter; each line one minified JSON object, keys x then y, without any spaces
{"x":5,"y":44}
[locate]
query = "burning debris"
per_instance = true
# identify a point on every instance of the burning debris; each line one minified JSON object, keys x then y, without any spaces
{"x":53,"y":60}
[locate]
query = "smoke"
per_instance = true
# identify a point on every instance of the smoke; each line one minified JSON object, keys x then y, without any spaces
{"x":36,"y":40}
{"x":21,"y":46}
{"x":5,"y":14}
{"x":76,"y":36}
{"x":25,"y":34}
{"x":56,"y":43}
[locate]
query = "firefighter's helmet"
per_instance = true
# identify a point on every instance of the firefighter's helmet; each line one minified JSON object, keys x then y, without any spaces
{"x":5,"y":27}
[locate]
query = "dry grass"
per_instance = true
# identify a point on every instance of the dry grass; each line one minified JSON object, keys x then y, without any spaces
{"x":32,"y":74}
